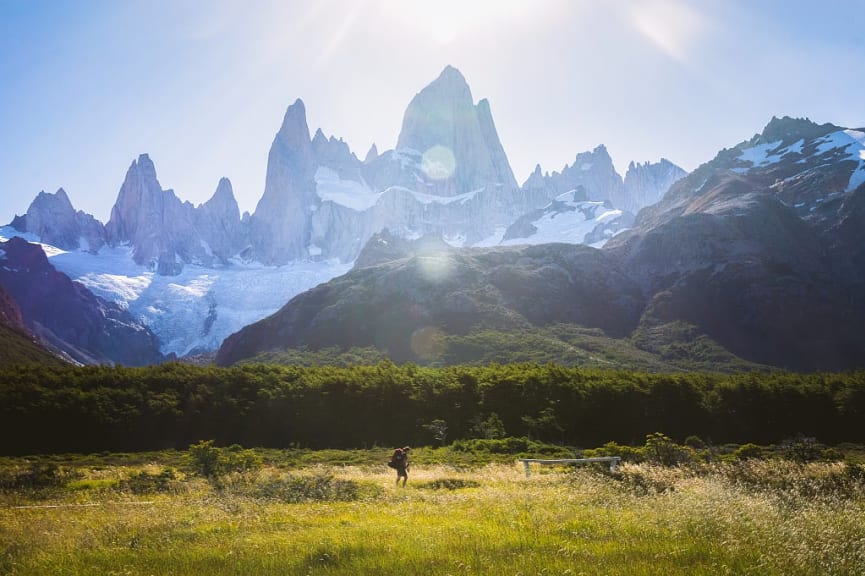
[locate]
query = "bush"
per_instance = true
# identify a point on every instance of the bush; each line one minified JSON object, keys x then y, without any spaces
{"x":145,"y":483}
{"x":510,"y":445}
{"x":660,"y":449}
{"x":748,"y":452}
{"x":626,"y":453}
{"x":37,"y":476}
{"x":210,"y":461}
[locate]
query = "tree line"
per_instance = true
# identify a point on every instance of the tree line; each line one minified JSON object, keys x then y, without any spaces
{"x":99,"y":408}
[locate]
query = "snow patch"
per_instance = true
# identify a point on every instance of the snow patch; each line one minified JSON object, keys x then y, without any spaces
{"x":355,"y":195}
{"x":7,"y":232}
{"x":853,"y":144}
{"x":568,"y":226}
{"x":434,"y":199}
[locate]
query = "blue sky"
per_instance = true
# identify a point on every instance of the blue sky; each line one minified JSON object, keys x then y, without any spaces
{"x":202,"y":85}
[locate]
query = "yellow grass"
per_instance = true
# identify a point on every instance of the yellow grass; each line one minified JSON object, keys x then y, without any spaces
{"x":647,"y":521}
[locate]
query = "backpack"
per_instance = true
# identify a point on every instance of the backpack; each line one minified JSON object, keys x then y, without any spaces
{"x":397,"y":459}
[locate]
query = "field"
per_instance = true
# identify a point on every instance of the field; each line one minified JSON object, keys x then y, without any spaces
{"x":153,"y":515}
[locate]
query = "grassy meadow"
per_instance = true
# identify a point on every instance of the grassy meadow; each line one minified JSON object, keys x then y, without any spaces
{"x":138,"y":514}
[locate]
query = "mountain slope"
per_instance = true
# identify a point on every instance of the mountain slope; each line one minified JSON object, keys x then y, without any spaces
{"x":754,"y":259}
{"x":389,"y":305}
{"x":759,"y":248}
{"x":17,"y":344}
{"x":67,"y":316}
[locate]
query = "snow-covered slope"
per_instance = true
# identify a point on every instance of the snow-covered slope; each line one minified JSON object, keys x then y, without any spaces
{"x":567,"y":219}
{"x":199,"y":307}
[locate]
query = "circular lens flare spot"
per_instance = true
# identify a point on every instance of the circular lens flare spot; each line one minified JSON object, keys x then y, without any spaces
{"x":438,"y":162}
{"x":428,"y":343}
{"x":435,"y":268}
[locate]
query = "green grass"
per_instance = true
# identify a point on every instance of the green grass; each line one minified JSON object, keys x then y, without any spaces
{"x":761,"y":518}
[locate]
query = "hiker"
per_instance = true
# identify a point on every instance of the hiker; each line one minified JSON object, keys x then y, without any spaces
{"x":399,"y":461}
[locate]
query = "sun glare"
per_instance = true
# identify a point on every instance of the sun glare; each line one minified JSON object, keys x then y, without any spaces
{"x":438,"y":162}
{"x":671,"y":25}
{"x":445,"y":21}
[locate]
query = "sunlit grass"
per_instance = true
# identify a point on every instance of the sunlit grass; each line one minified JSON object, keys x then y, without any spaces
{"x":489,"y":520}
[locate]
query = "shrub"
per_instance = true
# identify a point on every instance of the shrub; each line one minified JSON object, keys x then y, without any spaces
{"x":38,"y":476}
{"x":695,"y":442}
{"x":205,"y":458}
{"x":802,"y":449}
{"x":660,"y":449}
{"x":748,"y":451}
{"x":211,"y":461}
{"x":510,"y":445}
{"x":626,"y":453}
{"x":145,"y":483}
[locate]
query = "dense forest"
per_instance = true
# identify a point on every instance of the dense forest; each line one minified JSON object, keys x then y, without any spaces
{"x":99,"y":408}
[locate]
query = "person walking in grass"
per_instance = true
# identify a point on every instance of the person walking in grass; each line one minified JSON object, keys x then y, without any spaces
{"x":399,"y":461}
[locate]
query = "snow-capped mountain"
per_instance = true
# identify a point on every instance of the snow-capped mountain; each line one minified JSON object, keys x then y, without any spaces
{"x":196,"y":274}
{"x":755,"y":259}
{"x":763,"y":247}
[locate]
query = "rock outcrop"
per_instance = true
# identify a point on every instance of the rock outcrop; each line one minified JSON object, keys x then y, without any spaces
{"x":56,"y":222}
{"x":280,"y":226}
{"x":645,"y":184}
{"x":166,"y":233}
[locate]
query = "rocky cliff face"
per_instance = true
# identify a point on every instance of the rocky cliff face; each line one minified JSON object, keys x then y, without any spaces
{"x":55,"y":221}
{"x":591,"y":172}
{"x":280,"y":225}
{"x":69,"y":317}
{"x":219,"y":226}
{"x":165,"y":233}
{"x":645,"y":184}
{"x":456,"y":138}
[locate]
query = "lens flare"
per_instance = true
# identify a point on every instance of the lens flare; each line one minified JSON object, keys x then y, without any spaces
{"x":438,"y":162}
{"x":435,"y":268}
{"x":428,"y":343}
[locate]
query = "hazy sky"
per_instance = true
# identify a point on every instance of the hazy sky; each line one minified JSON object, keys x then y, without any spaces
{"x":202,"y":85}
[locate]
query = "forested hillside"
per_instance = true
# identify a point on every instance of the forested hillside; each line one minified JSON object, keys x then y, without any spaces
{"x":88,"y":409}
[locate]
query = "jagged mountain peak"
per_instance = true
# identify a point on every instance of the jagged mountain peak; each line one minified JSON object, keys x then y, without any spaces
{"x":62,"y":196}
{"x":144,"y":165}
{"x":451,"y":78}
{"x":294,"y":127}
{"x":372,"y":154}
{"x":59,"y":198}
{"x":437,"y":112}
{"x":224,"y":191}
{"x":788,"y":130}
{"x":319,"y":139}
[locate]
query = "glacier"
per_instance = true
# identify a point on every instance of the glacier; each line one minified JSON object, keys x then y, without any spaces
{"x":197,"y":309}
